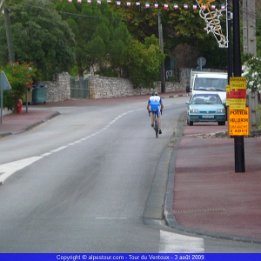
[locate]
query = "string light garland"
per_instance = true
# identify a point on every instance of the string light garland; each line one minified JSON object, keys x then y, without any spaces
{"x":165,"y":6}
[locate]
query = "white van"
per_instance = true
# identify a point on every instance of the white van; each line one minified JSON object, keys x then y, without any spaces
{"x":209,"y":82}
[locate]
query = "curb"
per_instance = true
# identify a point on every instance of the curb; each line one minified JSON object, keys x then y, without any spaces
{"x":168,"y":215}
{"x":30,"y":126}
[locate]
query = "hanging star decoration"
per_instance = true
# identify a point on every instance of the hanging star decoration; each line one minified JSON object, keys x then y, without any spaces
{"x":212,"y":19}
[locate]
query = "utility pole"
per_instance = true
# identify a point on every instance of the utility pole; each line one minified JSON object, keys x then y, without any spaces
{"x":8,"y":35}
{"x":1,"y":3}
{"x":249,"y":27}
{"x":238,"y":140}
{"x":8,"y":31}
{"x":249,"y":47}
{"x":161,"y":43}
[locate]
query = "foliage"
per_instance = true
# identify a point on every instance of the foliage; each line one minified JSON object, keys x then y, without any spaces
{"x":252,"y":72}
{"x":119,"y":48}
{"x":108,"y":46}
{"x":101,"y":37}
{"x":21,"y":77}
{"x":145,"y":62}
{"x":180,"y":27}
{"x":39,"y":36}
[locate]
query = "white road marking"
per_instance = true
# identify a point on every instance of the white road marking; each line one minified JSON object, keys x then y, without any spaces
{"x":8,"y":169}
{"x":176,"y":243}
{"x":111,"y":218}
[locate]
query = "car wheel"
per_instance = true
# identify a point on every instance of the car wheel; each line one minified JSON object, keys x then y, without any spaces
{"x":190,"y":123}
{"x":221,"y":123}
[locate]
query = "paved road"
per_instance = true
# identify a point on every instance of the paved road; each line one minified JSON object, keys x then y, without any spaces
{"x":93,"y":180}
{"x":80,"y":182}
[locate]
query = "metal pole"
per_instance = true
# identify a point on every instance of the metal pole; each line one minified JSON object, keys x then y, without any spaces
{"x":160,"y":32}
{"x":9,"y":36}
{"x":229,"y":47}
{"x":229,"y":36}
{"x":238,"y":140}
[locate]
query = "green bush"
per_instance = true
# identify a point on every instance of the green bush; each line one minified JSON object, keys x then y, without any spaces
{"x":21,"y":77}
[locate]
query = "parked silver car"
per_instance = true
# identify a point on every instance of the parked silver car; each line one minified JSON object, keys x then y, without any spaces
{"x":206,"y":108}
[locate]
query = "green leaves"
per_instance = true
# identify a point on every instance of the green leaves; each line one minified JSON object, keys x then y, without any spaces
{"x":145,"y":62}
{"x":252,"y":72}
{"x":58,"y":36}
{"x":21,"y":77}
{"x":41,"y":37}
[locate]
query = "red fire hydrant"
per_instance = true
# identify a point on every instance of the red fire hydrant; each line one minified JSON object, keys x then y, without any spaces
{"x":19,"y":106}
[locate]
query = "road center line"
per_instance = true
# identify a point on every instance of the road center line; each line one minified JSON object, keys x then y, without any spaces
{"x":8,"y":169}
{"x":111,"y":218}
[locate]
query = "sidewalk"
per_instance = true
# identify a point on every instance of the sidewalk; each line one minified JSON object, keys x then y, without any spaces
{"x":18,"y":123}
{"x":209,"y":196}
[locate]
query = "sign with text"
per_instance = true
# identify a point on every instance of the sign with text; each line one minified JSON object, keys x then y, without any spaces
{"x":236,"y":93}
{"x":238,"y":122}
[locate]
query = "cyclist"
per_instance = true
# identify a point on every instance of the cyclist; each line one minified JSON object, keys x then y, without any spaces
{"x":155,"y":104}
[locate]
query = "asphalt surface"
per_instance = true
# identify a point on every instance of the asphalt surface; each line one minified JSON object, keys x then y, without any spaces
{"x":205,"y":195}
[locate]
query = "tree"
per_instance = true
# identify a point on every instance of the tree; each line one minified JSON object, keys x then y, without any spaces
{"x":145,"y":62}
{"x":40,"y":36}
{"x":96,"y":51}
{"x":101,"y":36}
{"x":180,"y":27}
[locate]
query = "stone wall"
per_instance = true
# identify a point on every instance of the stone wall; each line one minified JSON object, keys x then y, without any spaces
{"x":59,"y":90}
{"x":108,"y":87}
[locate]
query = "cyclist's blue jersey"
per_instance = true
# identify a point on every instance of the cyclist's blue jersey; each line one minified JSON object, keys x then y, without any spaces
{"x":154,"y":103}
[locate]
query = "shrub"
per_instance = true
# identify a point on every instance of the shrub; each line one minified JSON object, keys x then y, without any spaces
{"x":21,"y":77}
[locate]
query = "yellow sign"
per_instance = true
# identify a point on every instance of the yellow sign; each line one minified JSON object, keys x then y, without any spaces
{"x":238,"y":83}
{"x":236,"y":93}
{"x":238,"y":122}
{"x":237,"y":103}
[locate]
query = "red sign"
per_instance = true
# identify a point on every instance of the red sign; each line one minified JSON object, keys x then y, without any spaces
{"x":237,"y":94}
